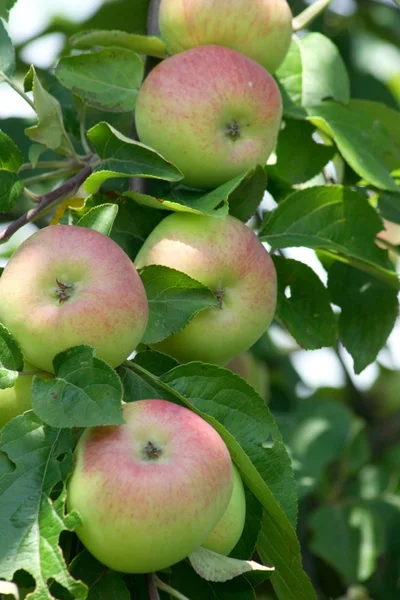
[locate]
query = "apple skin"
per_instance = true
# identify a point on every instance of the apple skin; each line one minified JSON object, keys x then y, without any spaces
{"x":229,"y":528}
{"x":225,"y":255}
{"x":107,"y":307}
{"x":210,"y":111}
{"x":254,"y":371}
{"x":16,"y":400}
{"x":142,"y":514}
{"x":260,"y":29}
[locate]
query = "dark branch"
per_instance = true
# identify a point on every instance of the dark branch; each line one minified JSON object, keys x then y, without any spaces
{"x":151,"y":583}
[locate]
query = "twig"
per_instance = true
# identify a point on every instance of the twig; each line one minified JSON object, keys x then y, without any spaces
{"x":82,"y":130}
{"x":152,"y":17}
{"x":49,"y":175}
{"x":49,"y":164}
{"x":151,"y":583}
{"x":309,"y":14}
{"x":49,"y":200}
{"x":170,"y":590}
{"x":31,"y":196}
{"x":17,"y":89}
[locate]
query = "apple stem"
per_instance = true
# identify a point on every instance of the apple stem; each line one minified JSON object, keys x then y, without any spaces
{"x":51,"y":199}
{"x":170,"y":590}
{"x":308,"y":15}
{"x":151,"y":583}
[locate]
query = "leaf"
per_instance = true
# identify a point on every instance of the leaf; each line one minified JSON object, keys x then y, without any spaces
{"x":10,"y":155}
{"x":142,"y":44}
{"x":312,"y":71}
{"x":30,"y":523}
{"x":174,"y":299}
{"x":50,"y":130}
{"x":299,"y":157}
{"x":361,"y":140}
{"x":11,"y":359}
{"x":86,"y":392}
{"x":11,"y":188}
{"x":103,"y":584}
{"x":123,"y":157}
{"x":241,"y":417}
{"x":245,"y":199}
{"x":7,"y":52}
{"x":100,"y":218}
{"x":369,"y":312}
{"x":108,"y":79}
{"x":389,"y":206}
{"x":304,"y":305}
{"x":214,"y":203}
{"x":219,"y":568}
{"x":333,"y":218}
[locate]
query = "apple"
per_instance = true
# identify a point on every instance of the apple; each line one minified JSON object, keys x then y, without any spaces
{"x":225,"y":255}
{"x":251,"y":369}
{"x":67,"y":286}
{"x":261,"y":29}
{"x":150,"y":491}
{"x":17,"y":399}
{"x":210,"y":111}
{"x":229,"y":528}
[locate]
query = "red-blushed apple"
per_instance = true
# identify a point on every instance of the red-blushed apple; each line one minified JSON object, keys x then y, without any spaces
{"x":149,"y":492}
{"x":17,"y":399}
{"x":67,"y":286}
{"x":229,"y":528}
{"x":212,"y":112}
{"x":261,"y":29}
{"x":225,"y":255}
{"x":251,"y":369}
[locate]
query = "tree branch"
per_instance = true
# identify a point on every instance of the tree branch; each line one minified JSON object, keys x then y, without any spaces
{"x":49,"y":200}
{"x":151,"y":583}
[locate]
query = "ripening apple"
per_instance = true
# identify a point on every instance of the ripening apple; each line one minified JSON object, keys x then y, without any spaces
{"x":226,"y":256}
{"x":210,"y":111}
{"x":17,"y":399}
{"x":67,"y":286}
{"x":261,"y":29}
{"x":150,"y":491}
{"x":229,"y":528}
{"x":251,"y":369}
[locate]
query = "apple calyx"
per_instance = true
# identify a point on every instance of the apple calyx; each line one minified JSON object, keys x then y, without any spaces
{"x":64,"y":291}
{"x":233,"y":130}
{"x":151,"y":452}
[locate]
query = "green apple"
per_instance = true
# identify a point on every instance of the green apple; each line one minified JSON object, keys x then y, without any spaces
{"x":212,"y":112}
{"x":251,"y":369}
{"x":150,"y":491}
{"x":229,"y":528}
{"x":225,"y":255}
{"x":67,"y":286}
{"x":17,"y":399}
{"x":261,"y":29}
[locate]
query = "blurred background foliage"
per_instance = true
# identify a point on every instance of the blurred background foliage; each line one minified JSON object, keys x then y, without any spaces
{"x":343,"y":432}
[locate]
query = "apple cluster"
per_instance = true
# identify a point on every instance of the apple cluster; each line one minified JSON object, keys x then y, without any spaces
{"x":213,"y":110}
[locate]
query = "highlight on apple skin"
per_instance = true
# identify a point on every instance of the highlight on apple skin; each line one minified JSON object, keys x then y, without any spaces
{"x":185,"y":24}
{"x":149,"y":492}
{"x":67,"y":286}
{"x":212,"y":112}
{"x":229,"y":528}
{"x":17,"y":399}
{"x":225,"y":255}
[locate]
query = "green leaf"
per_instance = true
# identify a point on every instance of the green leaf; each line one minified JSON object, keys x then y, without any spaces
{"x":10,"y":155}
{"x":245,"y":199}
{"x":332,"y":218}
{"x":11,"y":188}
{"x":5,"y":7}
{"x":369,"y":312}
{"x":174,"y":299}
{"x":215,"y":203}
{"x":304,"y":305}
{"x":103,"y":584}
{"x":219,"y":568}
{"x":30,"y":523}
{"x":11,"y":359}
{"x":86,"y":392}
{"x":100,"y":218}
{"x":357,"y":534}
{"x":299,"y":157}
{"x":142,"y":44}
{"x":361,"y":140}
{"x":124,"y":157}
{"x":50,"y":130}
{"x":7,"y":52}
{"x":312,"y":71}
{"x":108,"y":79}
{"x":389,"y":206}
